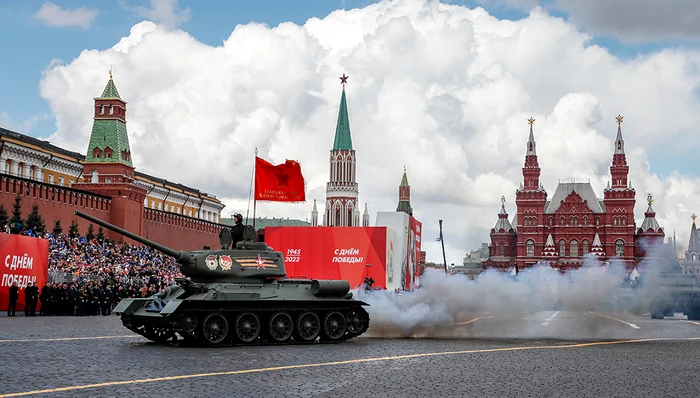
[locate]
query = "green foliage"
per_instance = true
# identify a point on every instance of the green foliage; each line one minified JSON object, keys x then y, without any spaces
{"x":57,"y":228}
{"x":16,"y":222}
{"x":4,"y":219}
{"x":100,"y":234}
{"x":73,"y":231}
{"x":35,"y":222}
{"x":90,"y":233}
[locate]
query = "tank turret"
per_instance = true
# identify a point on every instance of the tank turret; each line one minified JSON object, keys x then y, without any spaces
{"x":240,"y":296}
{"x":249,"y":261}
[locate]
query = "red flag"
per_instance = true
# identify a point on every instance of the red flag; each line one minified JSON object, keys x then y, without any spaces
{"x":279,"y":183}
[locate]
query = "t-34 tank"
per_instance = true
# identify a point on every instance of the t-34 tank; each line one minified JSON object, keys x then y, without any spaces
{"x":241,"y":296}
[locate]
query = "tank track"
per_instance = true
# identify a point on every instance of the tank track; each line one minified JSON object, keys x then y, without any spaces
{"x":164,"y":332}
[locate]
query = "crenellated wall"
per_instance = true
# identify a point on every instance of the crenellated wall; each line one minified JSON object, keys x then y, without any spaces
{"x":55,"y":203}
{"x":173,"y":230}
{"x":180,"y":232}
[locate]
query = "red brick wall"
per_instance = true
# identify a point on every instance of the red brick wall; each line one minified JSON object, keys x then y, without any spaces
{"x":176,"y":231}
{"x":180,"y":232}
{"x":55,"y":203}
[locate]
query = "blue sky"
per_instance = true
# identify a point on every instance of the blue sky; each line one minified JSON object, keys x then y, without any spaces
{"x":29,"y":45}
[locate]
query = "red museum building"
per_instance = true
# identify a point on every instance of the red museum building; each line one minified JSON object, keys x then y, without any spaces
{"x":574,"y":223}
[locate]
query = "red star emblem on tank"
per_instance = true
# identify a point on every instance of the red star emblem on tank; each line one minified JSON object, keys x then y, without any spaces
{"x":260,"y":262}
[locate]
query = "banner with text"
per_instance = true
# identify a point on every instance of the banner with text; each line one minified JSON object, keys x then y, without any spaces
{"x":279,"y":183}
{"x":23,"y":260}
{"x":413,"y":253}
{"x":338,"y":253}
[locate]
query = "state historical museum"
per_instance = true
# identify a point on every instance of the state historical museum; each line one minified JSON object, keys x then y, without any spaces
{"x":574,"y":223}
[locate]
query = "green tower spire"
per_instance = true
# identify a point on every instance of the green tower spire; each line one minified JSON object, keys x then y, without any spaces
{"x":343,"y":140}
{"x":404,"y":195}
{"x":109,"y":141}
{"x":110,"y":90}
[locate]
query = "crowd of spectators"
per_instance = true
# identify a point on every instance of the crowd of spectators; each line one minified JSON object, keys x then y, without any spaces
{"x":90,"y":276}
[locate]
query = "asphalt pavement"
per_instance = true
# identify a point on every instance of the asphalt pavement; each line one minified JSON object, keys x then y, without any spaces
{"x":543,"y":354}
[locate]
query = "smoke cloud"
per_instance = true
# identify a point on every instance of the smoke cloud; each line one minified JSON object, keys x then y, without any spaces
{"x":446,"y":305}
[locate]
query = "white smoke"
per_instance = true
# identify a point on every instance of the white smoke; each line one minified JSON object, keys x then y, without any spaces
{"x":444,"y":301}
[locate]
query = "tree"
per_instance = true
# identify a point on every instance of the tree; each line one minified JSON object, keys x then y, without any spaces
{"x":3,"y":218}
{"x":100,"y":234}
{"x":57,"y":228}
{"x":35,"y":222}
{"x":16,"y":223}
{"x":90,"y":233}
{"x":73,"y":231}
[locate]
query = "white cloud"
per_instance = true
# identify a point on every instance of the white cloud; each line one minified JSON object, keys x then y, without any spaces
{"x":442,"y":89}
{"x":635,"y":20}
{"x":165,"y":12}
{"x":54,"y":15}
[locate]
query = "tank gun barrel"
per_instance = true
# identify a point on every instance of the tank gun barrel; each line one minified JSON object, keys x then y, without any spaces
{"x":181,"y":257}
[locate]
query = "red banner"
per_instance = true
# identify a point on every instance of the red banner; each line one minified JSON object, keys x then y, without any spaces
{"x":338,"y":253}
{"x":279,"y":183}
{"x":23,"y":260}
{"x":413,"y":252}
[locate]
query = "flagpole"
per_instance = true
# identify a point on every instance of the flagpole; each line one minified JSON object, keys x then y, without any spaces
{"x":442,"y":241}
{"x":255,"y":198}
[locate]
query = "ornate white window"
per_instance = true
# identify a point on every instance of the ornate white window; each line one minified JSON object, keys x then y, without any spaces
{"x":573,"y":248}
{"x":530,"y":248}
{"x":619,"y":248}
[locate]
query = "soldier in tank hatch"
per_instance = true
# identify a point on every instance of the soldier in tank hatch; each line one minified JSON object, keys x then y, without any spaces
{"x":237,"y":230}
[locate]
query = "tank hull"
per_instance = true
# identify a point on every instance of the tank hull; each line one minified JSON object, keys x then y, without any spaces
{"x":231,"y":314}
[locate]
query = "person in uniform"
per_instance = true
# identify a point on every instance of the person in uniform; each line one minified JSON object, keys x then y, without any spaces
{"x":27,"y":299}
{"x":14,"y":296}
{"x":45,"y":298}
{"x":34,"y":298}
{"x":237,"y":229}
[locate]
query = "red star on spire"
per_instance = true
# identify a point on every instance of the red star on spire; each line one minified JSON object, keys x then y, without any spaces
{"x":344,"y":80}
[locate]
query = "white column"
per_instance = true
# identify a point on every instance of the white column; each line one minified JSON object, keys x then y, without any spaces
{"x":17,"y":169}
{"x":27,"y":171}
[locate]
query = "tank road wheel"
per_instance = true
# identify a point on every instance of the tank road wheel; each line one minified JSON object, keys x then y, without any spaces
{"x":281,"y":326}
{"x":189,"y":322}
{"x":247,"y":327}
{"x":156,"y":334}
{"x":308,"y":327}
{"x":214,"y":328}
{"x":357,"y":321}
{"x":334,"y":326}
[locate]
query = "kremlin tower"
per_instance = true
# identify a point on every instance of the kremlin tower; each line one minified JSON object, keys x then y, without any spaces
{"x":405,"y":195}
{"x":342,"y":190}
